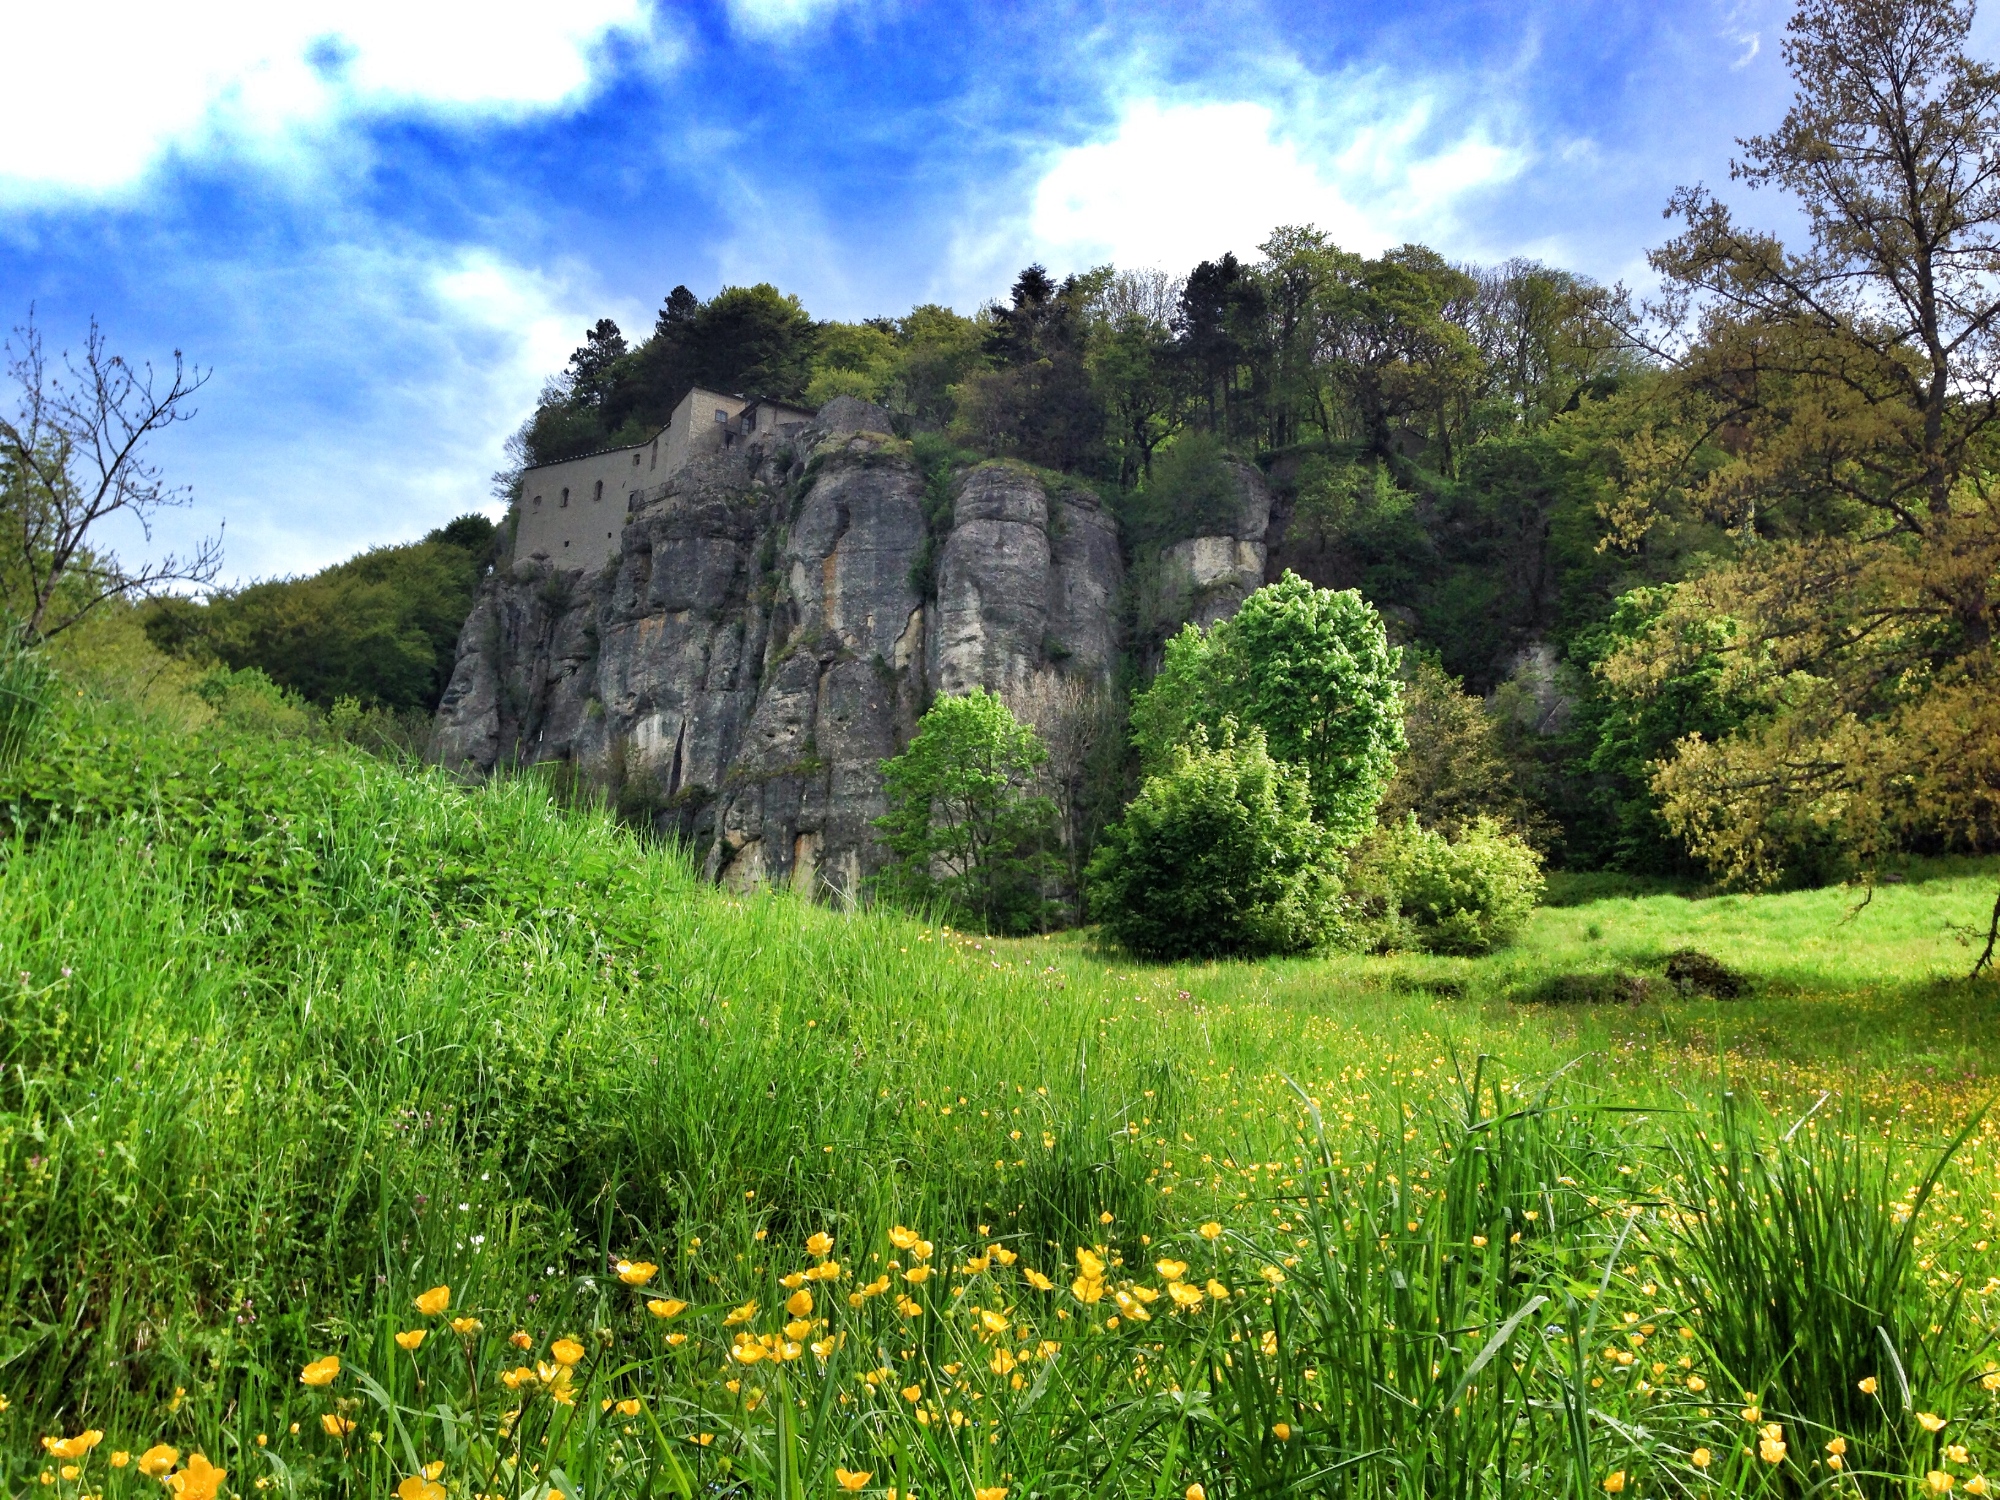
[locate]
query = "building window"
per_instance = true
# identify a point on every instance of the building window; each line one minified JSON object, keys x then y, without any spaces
{"x":721,"y":415}
{"x":635,"y":460}
{"x":538,"y":499}
{"x":632,"y":500}
{"x":565,"y":498}
{"x":598,"y":494}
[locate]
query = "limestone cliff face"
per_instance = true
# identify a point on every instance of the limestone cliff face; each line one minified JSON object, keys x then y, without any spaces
{"x":759,"y":645}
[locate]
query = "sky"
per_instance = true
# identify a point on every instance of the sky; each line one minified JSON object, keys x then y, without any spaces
{"x":382,"y":224}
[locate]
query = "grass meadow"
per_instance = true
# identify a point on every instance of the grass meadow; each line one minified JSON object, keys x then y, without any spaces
{"x":591,"y":1179}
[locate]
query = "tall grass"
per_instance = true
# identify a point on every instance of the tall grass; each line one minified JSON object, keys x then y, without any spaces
{"x":292,"y":1034}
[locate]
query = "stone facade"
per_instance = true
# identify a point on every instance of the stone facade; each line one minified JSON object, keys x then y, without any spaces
{"x":572,"y":511}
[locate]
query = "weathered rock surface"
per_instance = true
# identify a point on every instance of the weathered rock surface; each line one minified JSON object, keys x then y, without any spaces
{"x":1205,"y":578}
{"x":759,"y":645}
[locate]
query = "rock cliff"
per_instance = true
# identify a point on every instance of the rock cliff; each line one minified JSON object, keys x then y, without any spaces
{"x":778,"y":617}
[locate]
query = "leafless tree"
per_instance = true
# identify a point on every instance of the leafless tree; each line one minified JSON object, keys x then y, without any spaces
{"x":72,"y":458}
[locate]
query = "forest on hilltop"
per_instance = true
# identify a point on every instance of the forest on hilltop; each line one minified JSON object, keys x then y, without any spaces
{"x":1446,"y":439}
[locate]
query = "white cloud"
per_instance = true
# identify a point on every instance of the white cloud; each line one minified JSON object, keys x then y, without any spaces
{"x":777,"y":18}
{"x":117,"y":82}
{"x":1177,"y":183}
{"x":363,"y":394}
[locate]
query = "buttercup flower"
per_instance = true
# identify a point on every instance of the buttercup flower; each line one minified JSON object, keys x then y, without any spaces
{"x":199,"y":1480}
{"x":1930,"y":1421}
{"x":852,"y":1479}
{"x":158,"y":1459}
{"x":466,"y":1325}
{"x":321,"y":1371}
{"x":1614,"y":1482}
{"x":1701,"y":1458}
{"x":434,"y":1301}
{"x":417,"y":1487}
{"x":566,"y":1351}
{"x":998,"y":1492}
{"x":1171,"y":1270}
{"x":1867,"y":1385}
{"x":821,"y":1245}
{"x":410,"y":1338}
{"x":1938,"y":1482}
{"x":1196,"y":1492}
{"x":799,"y":1303}
{"x":636,"y":1272}
{"x":902,"y":1238}
{"x":1211,"y":1230}
{"x":74,"y":1447}
{"x":1282,"y":1431}
{"x":334,"y":1426}
{"x":666,"y":1307}
{"x":1037,"y":1280}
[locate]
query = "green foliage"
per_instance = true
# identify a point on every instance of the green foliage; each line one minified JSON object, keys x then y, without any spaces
{"x":969,"y":835}
{"x":1217,"y":855}
{"x":1622,"y":735}
{"x":381,"y":628}
{"x":1468,"y":893}
{"x":1313,"y":670}
{"x":26,"y":691}
{"x":1193,"y":490}
{"x":1453,"y":768}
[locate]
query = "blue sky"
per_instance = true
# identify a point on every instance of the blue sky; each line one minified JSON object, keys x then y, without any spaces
{"x":384,"y":222}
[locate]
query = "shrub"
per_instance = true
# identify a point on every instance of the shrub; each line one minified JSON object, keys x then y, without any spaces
{"x":1468,"y":895}
{"x":1313,"y":670}
{"x":966,"y":834}
{"x":1218,"y":854}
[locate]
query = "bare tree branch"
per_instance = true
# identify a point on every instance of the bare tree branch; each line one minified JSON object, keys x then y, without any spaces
{"x":72,"y":458}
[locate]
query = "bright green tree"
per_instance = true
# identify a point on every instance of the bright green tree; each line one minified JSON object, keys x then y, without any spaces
{"x":1218,"y":854}
{"x":966,"y":828}
{"x":1313,"y":670}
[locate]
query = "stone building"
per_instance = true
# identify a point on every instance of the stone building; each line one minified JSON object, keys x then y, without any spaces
{"x":572,"y":511}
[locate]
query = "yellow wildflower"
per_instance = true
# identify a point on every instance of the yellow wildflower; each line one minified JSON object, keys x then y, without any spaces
{"x":629,"y":1406}
{"x":1196,"y":1492}
{"x":1282,"y":1431}
{"x":1211,"y":1230}
{"x":742,"y":1314}
{"x":917,"y":1275}
{"x":157,"y":1459}
{"x":1938,"y":1482}
{"x":120,"y":1457}
{"x":1216,"y":1289}
{"x":1002,"y":1254}
{"x":466,"y":1326}
{"x":416,"y":1487}
{"x":1930,"y":1421}
{"x":902,"y":1238}
{"x":637,"y":1272}
{"x":410,"y":1338}
{"x":1614,"y":1482}
{"x":913,"y":1394}
{"x":198,"y":1481}
{"x":819,"y":1244}
{"x":434,"y":1301}
{"x":566,"y":1351}
{"x":799,"y":1303}
{"x":852,"y":1479}
{"x":666,"y":1307}
{"x":1171,"y":1270}
{"x":1701,"y":1458}
{"x":1867,"y":1385}
{"x":74,"y":1447}
{"x":1089,"y":1264}
{"x":321,"y":1371}
{"x":1037,"y":1280}
{"x":520,"y":1340}
{"x":998,"y":1492}
{"x":1955,"y":1453}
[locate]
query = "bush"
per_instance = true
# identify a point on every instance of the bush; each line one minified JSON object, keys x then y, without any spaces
{"x":1466,"y":895}
{"x":967,"y":834}
{"x":1218,"y":854}
{"x":1313,"y":670}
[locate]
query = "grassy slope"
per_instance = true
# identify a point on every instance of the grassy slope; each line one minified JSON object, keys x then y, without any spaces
{"x":500,"y":1042}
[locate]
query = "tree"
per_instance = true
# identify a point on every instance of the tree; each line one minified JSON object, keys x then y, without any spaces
{"x":1217,"y":855}
{"x":964,"y":827}
{"x":1854,"y":388}
{"x":1313,"y":671}
{"x":1453,"y":769}
{"x":72,"y":459}
{"x":1038,"y":403}
{"x":381,"y":628}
